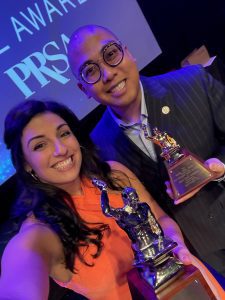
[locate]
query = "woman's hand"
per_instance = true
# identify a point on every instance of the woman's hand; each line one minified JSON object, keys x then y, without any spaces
{"x":183,"y":254}
{"x":172,"y":231}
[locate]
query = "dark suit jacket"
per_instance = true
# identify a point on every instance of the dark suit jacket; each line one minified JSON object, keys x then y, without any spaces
{"x":196,"y":120}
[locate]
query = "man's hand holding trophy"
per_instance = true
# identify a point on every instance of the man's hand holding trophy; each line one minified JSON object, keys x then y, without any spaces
{"x":187,"y":173}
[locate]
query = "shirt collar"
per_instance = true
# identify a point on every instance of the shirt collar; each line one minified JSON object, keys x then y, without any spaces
{"x":144,"y":113}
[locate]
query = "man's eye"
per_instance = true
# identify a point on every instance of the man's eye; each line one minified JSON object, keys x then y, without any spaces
{"x":111,"y":54}
{"x":90,"y":70}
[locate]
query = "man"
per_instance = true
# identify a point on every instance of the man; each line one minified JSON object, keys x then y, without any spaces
{"x":188,"y":104}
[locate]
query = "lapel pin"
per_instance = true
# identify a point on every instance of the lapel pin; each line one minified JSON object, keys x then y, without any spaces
{"x":165,"y":110}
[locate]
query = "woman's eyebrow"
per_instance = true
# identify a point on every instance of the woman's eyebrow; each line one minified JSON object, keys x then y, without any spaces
{"x":42,"y":135}
{"x":34,"y":137}
{"x":61,"y":125}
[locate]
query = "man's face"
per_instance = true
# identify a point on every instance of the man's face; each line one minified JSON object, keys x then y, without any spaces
{"x":118,"y":86}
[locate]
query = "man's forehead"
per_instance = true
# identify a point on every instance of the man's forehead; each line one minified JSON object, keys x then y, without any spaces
{"x":87,"y":43}
{"x":91,"y":46}
{"x":94,"y":31}
{"x":97,"y":40}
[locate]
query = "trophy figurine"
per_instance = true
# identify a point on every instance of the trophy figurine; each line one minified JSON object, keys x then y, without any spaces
{"x":152,"y":250}
{"x":157,"y":274}
{"x":186,"y":172}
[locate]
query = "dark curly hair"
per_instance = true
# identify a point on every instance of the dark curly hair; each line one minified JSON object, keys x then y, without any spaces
{"x":49,"y":204}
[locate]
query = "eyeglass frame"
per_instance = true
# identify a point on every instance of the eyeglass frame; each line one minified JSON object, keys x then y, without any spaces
{"x":120,"y":47}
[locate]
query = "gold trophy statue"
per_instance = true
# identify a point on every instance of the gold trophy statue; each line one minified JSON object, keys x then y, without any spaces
{"x":186,"y":172}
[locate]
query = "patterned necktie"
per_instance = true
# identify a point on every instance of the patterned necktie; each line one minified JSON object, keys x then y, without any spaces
{"x":149,"y":146}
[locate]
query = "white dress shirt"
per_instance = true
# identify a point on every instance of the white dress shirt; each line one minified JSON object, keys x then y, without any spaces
{"x":133,"y":130}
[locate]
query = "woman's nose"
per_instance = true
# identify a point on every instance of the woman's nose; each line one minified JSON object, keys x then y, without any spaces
{"x":59,"y":148}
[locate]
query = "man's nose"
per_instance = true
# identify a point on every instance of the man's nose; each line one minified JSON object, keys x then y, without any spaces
{"x":108,"y":73}
{"x":59,"y":148}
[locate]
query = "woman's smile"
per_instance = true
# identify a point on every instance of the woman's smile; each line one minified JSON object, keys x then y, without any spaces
{"x":64,"y":165}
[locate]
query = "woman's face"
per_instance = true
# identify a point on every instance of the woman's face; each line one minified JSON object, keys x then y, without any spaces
{"x":52,"y":151}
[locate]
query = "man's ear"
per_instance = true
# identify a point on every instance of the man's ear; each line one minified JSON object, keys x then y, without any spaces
{"x":82,"y":88}
{"x":129,"y":54}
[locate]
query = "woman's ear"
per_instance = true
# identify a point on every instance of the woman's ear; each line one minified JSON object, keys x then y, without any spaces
{"x":27,"y":167}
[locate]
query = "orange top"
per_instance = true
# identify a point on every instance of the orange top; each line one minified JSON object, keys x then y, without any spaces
{"x":107,"y":278}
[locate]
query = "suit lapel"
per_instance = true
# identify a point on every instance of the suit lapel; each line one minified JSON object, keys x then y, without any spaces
{"x":160,"y":105}
{"x":126,"y":147}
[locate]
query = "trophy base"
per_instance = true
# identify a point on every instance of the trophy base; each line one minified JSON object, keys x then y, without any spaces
{"x":162,"y":273}
{"x":154,"y":253}
{"x":188,"y":285}
{"x":187,"y":174}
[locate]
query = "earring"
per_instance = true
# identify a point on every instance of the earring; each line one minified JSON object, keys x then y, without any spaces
{"x":33,"y":175}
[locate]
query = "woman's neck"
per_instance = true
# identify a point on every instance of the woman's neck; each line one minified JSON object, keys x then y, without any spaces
{"x":73,"y":188}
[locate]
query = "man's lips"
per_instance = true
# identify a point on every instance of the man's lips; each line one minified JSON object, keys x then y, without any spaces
{"x":117,"y":87}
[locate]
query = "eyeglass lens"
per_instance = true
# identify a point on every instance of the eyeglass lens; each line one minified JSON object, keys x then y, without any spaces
{"x":112,"y":56}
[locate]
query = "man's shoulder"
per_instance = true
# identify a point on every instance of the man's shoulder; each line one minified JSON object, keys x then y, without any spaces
{"x":106,"y":136}
{"x":193,"y":71}
{"x":105,"y":128}
{"x":186,"y":72}
{"x":185,"y":77}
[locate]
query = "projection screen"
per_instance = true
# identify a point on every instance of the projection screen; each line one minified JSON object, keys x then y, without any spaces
{"x":33,"y":46}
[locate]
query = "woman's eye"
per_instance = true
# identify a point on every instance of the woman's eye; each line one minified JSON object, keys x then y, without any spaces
{"x":65,"y":133}
{"x":39,"y":146}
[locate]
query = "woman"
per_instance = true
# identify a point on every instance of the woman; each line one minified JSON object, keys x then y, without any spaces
{"x":62,"y":230}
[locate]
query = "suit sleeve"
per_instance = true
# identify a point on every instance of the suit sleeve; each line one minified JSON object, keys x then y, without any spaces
{"x":216,"y":96}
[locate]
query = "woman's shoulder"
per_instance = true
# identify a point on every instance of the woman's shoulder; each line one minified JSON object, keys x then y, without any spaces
{"x":121,"y":172}
{"x":34,"y":231}
{"x":36,"y":237}
{"x":34,"y":253}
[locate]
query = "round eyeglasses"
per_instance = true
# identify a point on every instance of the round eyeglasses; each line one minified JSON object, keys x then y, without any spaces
{"x":112,"y":55}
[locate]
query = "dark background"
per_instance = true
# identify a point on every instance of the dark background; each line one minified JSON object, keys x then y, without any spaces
{"x":180,"y":26}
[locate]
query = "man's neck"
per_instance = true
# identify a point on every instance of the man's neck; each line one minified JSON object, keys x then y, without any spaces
{"x":130,"y":113}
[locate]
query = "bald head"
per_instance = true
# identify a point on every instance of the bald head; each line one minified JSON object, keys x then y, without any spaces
{"x":81,"y":38}
{"x":80,"y":34}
